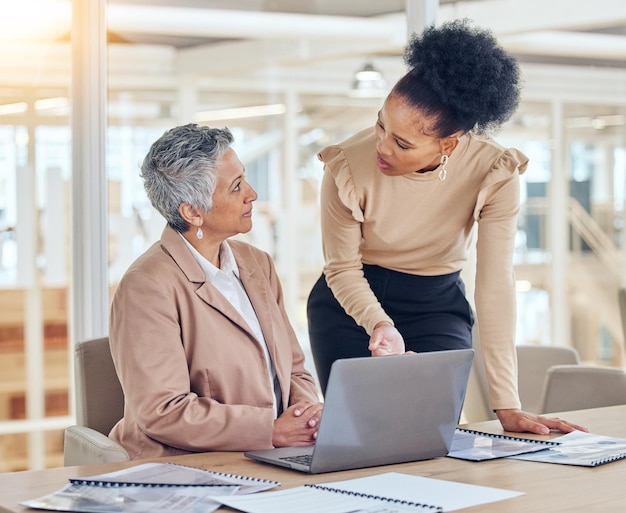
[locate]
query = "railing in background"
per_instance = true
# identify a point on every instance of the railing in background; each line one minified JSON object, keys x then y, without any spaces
{"x":596,"y":265}
{"x":585,"y":229}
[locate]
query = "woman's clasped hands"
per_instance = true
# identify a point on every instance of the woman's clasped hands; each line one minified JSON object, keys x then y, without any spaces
{"x":297,"y":425}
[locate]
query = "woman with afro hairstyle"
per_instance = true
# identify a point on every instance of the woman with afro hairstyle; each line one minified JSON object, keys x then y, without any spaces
{"x":399,"y":203}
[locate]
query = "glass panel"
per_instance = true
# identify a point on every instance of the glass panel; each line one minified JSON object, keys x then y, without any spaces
{"x":594,"y":142}
{"x":596,"y":137}
{"x":34,"y":225}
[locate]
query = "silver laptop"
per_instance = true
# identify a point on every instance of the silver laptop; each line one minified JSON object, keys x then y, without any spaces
{"x":383,"y":410}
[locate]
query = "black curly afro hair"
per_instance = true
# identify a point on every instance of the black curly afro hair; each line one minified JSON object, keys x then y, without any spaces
{"x":461,"y":76}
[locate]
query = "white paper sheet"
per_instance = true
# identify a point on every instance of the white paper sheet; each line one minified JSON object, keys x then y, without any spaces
{"x":433,"y":493}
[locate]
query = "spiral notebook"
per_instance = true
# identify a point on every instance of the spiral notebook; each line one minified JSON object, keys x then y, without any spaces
{"x":582,"y":449}
{"x":90,"y":498}
{"x":172,"y":474}
{"x":389,"y":492}
{"x":469,"y":444}
{"x":154,"y":487}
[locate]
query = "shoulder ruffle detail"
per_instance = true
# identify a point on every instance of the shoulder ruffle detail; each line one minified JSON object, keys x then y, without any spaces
{"x":337,"y":166}
{"x":509,"y":165}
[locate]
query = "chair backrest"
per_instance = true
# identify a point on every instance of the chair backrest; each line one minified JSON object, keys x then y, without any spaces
{"x":577,"y":387}
{"x":99,"y":396}
{"x":533,"y":362}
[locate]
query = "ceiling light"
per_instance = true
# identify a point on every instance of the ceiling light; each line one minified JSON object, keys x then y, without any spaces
{"x":368,"y":82}
{"x":13,"y":108}
{"x":368,"y":74}
{"x":51,"y":103}
{"x":596,"y":122}
{"x":241,"y":112}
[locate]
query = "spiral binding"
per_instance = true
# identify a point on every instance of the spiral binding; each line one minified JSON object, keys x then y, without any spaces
{"x":377,"y":497}
{"x":116,"y":484}
{"x":608,"y":459}
{"x":235,"y":476}
{"x":507,"y":437}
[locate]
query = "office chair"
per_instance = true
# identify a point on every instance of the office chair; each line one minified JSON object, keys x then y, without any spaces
{"x":99,"y":405}
{"x":533,"y":362}
{"x":577,"y":387}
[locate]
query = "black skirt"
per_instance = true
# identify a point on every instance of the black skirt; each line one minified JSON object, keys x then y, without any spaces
{"x":430,"y":312}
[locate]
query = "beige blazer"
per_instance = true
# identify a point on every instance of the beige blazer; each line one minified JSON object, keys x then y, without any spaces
{"x":194,"y":375}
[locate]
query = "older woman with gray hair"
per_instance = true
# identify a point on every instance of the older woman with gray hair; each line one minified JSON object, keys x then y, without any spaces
{"x":201,"y":342}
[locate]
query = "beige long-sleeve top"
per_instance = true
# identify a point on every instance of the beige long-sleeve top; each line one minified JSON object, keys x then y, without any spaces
{"x":418,"y":224}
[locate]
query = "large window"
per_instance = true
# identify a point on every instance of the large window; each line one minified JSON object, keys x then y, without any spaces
{"x":35,"y":175}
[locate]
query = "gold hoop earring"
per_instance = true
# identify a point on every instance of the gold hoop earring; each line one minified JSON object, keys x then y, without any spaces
{"x":443,"y":172}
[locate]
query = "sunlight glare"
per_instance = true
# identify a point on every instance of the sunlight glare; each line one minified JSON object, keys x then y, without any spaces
{"x":34,"y":19}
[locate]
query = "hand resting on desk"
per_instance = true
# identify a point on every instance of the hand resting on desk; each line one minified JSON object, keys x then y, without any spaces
{"x":520,"y":421}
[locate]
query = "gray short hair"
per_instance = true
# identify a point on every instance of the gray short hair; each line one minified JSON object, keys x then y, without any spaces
{"x":180,"y":168}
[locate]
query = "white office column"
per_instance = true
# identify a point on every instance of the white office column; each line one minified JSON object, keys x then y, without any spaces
{"x":26,"y":235}
{"x":54,"y":222}
{"x":90,"y":297}
{"x":187,"y":100}
{"x":420,"y":14}
{"x":289,"y":223}
{"x":558,"y":230}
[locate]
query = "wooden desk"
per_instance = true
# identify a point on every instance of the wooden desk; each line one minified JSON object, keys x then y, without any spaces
{"x":549,"y":488}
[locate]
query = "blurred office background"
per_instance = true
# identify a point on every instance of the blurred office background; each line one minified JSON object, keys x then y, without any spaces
{"x":87,"y":86}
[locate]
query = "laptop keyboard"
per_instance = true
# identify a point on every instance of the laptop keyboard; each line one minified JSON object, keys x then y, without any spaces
{"x":302,"y":459}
